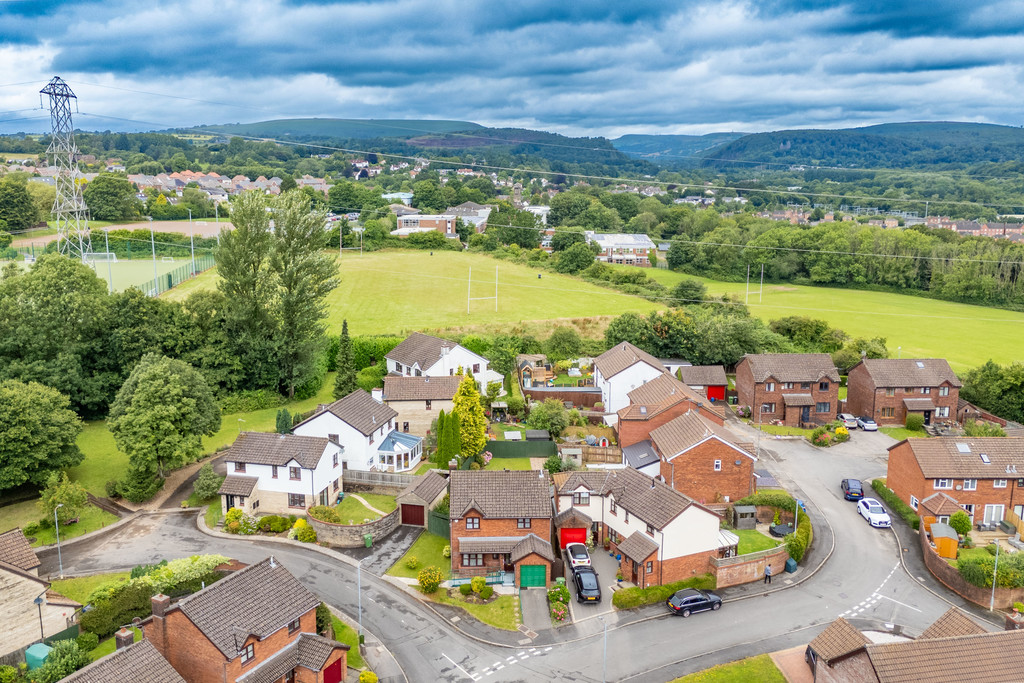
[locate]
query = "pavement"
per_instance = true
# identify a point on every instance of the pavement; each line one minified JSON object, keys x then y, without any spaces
{"x":792,"y":664}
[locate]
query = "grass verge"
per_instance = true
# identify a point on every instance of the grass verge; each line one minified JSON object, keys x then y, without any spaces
{"x":90,"y":518}
{"x":80,"y":588}
{"x":900,"y":433}
{"x":429,"y":550}
{"x":628,"y":598}
{"x":760,"y":668}
{"x":343,"y":633}
{"x":781,"y":430}
{"x":895,"y":504}
{"x":752,"y":541}
{"x":108,"y":646}
{"x":499,"y":613}
{"x":213,"y":514}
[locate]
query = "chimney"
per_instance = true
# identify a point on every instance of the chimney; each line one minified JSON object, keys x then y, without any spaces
{"x":160,"y":605}
{"x":123,"y":638}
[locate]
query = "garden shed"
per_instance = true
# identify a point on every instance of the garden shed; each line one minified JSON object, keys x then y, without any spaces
{"x":418,"y":498}
{"x":945,"y":540}
{"x":537,"y":435}
{"x":744,"y":516}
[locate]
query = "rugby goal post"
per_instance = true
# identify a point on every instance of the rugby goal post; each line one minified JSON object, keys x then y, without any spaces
{"x":167,"y":259}
{"x":100,"y":257}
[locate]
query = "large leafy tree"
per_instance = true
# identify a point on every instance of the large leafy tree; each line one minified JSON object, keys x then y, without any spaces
{"x":470,"y":414}
{"x":112,"y":198}
{"x":63,"y":496}
{"x":345,"y":380}
{"x":158,"y":419}
{"x":574,"y":259}
{"x":17,"y":208}
{"x":37,"y":433}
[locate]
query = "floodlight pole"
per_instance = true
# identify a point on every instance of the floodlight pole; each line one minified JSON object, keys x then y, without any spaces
{"x":110,"y":275}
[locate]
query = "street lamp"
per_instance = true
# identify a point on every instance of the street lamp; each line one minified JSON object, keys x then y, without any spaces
{"x":899,"y":352}
{"x":995,"y":572}
{"x":359,"y":592}
{"x":39,"y":604}
{"x":56,"y":526}
{"x":604,"y":665}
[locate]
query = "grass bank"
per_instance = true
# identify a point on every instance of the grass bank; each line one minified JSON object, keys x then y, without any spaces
{"x":428,"y":549}
{"x":761,"y":669}
{"x":80,"y":588}
{"x":344,"y":633}
{"x":500,"y":613}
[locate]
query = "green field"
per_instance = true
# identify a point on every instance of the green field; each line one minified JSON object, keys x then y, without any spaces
{"x":134,"y":273}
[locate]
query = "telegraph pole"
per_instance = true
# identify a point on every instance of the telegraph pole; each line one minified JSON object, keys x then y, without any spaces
{"x":69,"y":209}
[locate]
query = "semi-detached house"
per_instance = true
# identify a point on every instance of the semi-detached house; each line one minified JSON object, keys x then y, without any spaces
{"x":797,"y":389}
{"x":889,"y":389}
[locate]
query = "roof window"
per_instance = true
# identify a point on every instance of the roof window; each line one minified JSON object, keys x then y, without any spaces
{"x":963,"y":448}
{"x":985,"y":459}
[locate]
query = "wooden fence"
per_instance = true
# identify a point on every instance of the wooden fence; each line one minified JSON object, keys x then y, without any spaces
{"x":608,"y":455}
{"x":438,"y":524}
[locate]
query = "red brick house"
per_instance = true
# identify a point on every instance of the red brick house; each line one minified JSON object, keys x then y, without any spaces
{"x":501,"y":522}
{"x":888,"y":389}
{"x":797,"y":389}
{"x":660,"y":400}
{"x":703,"y":460}
{"x":985,"y":476}
{"x":134,"y":663}
{"x":257,"y":624}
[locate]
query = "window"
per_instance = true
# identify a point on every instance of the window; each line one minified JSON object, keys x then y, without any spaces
{"x":295,"y":473}
{"x":472,"y":559}
{"x":336,"y":484}
{"x":926,"y":390}
{"x":650,"y":531}
{"x":239,"y":467}
{"x":942,"y":411}
{"x":418,"y":373}
{"x":247,"y":654}
{"x":273,"y":471}
{"x":943,"y":391}
{"x":767,"y":407}
{"x":787,"y":385}
{"x":970,"y":484}
{"x":290,"y":677}
{"x":823,"y":386}
{"x":999,"y":483}
{"x":718,"y":466}
{"x":296,"y":500}
{"x":523,"y":523}
{"x":476,"y":368}
{"x":333,"y":438}
{"x":472,"y":522}
{"x":769,"y":386}
{"x":913,"y":502}
{"x":612,"y":507}
{"x":944,"y":519}
{"x":969,"y":509}
{"x":823,"y":407}
{"x":405,"y":427}
{"x":335,"y":459}
{"x":908,"y":390}
{"x":581,"y":498}
{"x":650,"y":567}
{"x":805,"y":385}
{"x":371,"y":436}
{"x":428,"y":403}
{"x":943,"y":483}
{"x":627,"y":515}
{"x":890,"y":392}
{"x":888,"y":412}
{"x":398,"y":368}
{"x":293,"y":626}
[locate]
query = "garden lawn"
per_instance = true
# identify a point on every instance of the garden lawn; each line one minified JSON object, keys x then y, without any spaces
{"x":213,"y":514}
{"x":352,"y":511}
{"x":900,"y":433}
{"x":380,"y":501}
{"x":782,"y":430}
{"x":429,"y":550}
{"x":978,"y":551}
{"x":508,"y":464}
{"x":90,"y":518}
{"x":344,"y":633}
{"x":761,"y":669}
{"x":80,"y":588}
{"x":19,"y":515}
{"x":752,"y":540}
{"x":425,"y":467}
{"x":108,"y":646}
{"x":501,"y":613}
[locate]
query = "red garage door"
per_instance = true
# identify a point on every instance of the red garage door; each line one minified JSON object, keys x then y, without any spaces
{"x":567,"y":536}
{"x":716,"y":393}
{"x":332,"y":674}
{"x":412,"y":514}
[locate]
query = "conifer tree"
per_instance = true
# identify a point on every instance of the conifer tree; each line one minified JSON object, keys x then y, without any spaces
{"x":345,"y":380}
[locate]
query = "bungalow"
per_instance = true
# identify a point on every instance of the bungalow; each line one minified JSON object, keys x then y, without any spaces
{"x":889,"y":389}
{"x":281,"y":473}
{"x":418,"y":400}
{"x":618,"y":371}
{"x":797,"y":389}
{"x":423,"y":355}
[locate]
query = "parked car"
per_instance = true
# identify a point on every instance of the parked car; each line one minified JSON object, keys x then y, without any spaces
{"x":578,"y":555}
{"x":848,"y":420}
{"x":871,"y":510}
{"x":852,"y":489}
{"x":587,"y":587}
{"x":867,"y":424}
{"x":689,"y":600}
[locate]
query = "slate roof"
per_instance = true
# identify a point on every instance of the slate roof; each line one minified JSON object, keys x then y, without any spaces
{"x":909,"y":372}
{"x":401,"y":388}
{"x":256,"y":600}
{"x":498,"y":494}
{"x":687,"y":430}
{"x":308,"y":650}
{"x":420,"y":349}
{"x":951,"y":624}
{"x":488,"y":544}
{"x":919,"y":404}
{"x":264,"y":448}
{"x":638,"y":546}
{"x":426,"y":488}
{"x":704,"y":375}
{"x":791,"y":367}
{"x":940,"y":504}
{"x":640,"y":454}
{"x":16,"y":550}
{"x":942,"y":457}
{"x":979,"y":658}
{"x":838,"y":639}
{"x":235,"y":485}
{"x":532,"y":543}
{"x":359,"y":411}
{"x":621,"y":356}
{"x":138,"y":663}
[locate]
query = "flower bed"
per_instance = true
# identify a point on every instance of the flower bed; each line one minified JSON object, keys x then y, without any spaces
{"x":558,"y":603}
{"x":829,"y":435}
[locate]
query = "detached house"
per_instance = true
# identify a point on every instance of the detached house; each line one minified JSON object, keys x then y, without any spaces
{"x":620,"y":370}
{"x":798,"y":389}
{"x":138,"y":663}
{"x":418,"y":400}
{"x":657,"y":402}
{"x":253,"y":626}
{"x":889,"y":389}
{"x":367,"y":432}
{"x":281,"y":473}
{"x":423,"y":355}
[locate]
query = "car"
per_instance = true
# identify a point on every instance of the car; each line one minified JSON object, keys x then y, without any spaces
{"x":852,"y":489}
{"x":578,"y":555}
{"x":871,"y":510}
{"x":848,"y":420}
{"x":689,"y":600}
{"x":587,"y":587}
{"x":867,"y":424}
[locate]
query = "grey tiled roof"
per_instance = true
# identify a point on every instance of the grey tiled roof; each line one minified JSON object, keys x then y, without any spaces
{"x":235,"y":485}
{"x":798,"y":399}
{"x":307,"y":650}
{"x":638,"y":546}
{"x":499,"y":494}
{"x":953,"y":623}
{"x":919,"y":404}
{"x":703,"y":375}
{"x":944,"y":457}
{"x":652,"y":500}
{"x":683,"y":432}
{"x":401,"y":388}
{"x":137,"y":663}
{"x":15,"y":549}
{"x":257,"y":600}
{"x":640,"y":454}
{"x":420,"y":349}
{"x":426,"y":488}
{"x":488,"y":544}
{"x":265,"y":448}
{"x":621,"y":356}
{"x":792,"y":367}
{"x":572,"y":516}
{"x":838,"y":639}
{"x":909,"y":372}
{"x":532,"y":543}
{"x":361,"y":412}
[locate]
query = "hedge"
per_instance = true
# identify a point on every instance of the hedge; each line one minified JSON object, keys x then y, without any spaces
{"x":628,"y":598}
{"x":800,"y":540}
{"x":977,"y":570}
{"x":908,"y":513}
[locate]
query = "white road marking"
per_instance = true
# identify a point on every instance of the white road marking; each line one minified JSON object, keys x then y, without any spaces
{"x":547,"y":649}
{"x":523,"y":656}
{"x":509,"y":659}
{"x":900,"y":603}
{"x":468,"y":675}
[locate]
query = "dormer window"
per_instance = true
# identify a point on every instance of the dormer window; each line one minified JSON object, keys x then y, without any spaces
{"x":247,"y":654}
{"x":472,"y":522}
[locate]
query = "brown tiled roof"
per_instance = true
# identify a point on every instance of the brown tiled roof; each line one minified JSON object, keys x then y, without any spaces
{"x":660,"y":394}
{"x":15,"y":549}
{"x":652,"y":500}
{"x":638,"y":547}
{"x":498,"y":494}
{"x":402,"y":388}
{"x":532,"y":543}
{"x":978,"y":658}
{"x":572,"y":517}
{"x":308,"y":650}
{"x":798,"y":399}
{"x":791,"y":367}
{"x":235,"y":485}
{"x":621,"y":356}
{"x":55,"y":598}
{"x":138,"y":663}
{"x":426,"y":488}
{"x":703,"y":375}
{"x":838,"y":639}
{"x":361,"y":412}
{"x":959,"y":457}
{"x":266,"y":448}
{"x":683,"y":432}
{"x":420,"y":349}
{"x":919,"y":404}
{"x":570,"y":481}
{"x":951,"y":624}
{"x":257,"y":600}
{"x":909,"y":372}
{"x":940,"y":504}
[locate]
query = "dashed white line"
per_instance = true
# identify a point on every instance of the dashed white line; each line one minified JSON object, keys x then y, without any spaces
{"x":900,"y":603}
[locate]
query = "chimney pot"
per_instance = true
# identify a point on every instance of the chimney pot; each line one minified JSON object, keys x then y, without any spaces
{"x":160,"y":605}
{"x":123,"y":638}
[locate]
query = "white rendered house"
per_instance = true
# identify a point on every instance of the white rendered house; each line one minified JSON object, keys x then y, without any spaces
{"x":421,"y":355}
{"x":620,"y":370}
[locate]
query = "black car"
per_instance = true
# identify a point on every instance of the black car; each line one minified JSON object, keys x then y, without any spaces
{"x":690,"y":600}
{"x":587,"y":588}
{"x":852,"y":490}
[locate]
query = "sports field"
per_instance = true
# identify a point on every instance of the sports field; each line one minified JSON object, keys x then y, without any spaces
{"x":134,"y":273}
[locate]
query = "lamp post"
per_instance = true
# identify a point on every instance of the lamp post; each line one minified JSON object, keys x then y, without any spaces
{"x":56,"y":526}
{"x":995,"y":573}
{"x":604,"y":664}
{"x":39,"y":604}
{"x":359,"y":592}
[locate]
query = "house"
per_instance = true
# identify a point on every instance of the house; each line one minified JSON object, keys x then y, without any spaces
{"x":367,"y":432}
{"x":418,"y":400}
{"x":661,"y":535}
{"x":539,"y":211}
{"x":627,"y":249}
{"x":620,"y":370}
{"x":256,"y":624}
{"x":23,"y":621}
{"x":418,"y":498}
{"x":660,"y":400}
{"x":420,"y":354}
{"x":703,"y":460}
{"x":708,"y":380}
{"x":281,"y":473}
{"x":983,"y":475}
{"x":136,"y":662}
{"x":797,"y":389}
{"x":501,"y":522}
{"x":889,"y":389}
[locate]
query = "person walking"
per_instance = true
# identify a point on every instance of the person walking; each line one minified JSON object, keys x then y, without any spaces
{"x":768,"y":573}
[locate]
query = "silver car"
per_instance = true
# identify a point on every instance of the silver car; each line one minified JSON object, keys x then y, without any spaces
{"x":848,"y":420}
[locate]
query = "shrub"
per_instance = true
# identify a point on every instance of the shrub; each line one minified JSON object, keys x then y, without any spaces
{"x":842,"y":434}
{"x":465,"y":589}
{"x":325,"y":514}
{"x":915,"y":422}
{"x":127,"y":601}
{"x":558,"y":593}
{"x":207,"y":483}
{"x":798,"y":541}
{"x":141,"y":570}
{"x":977,"y":570}
{"x":88,"y":641}
{"x":64,"y":659}
{"x":279,"y":524}
{"x":233,"y":515}
{"x":412,"y":563}
{"x":478,"y":583}
{"x":1019,"y":606}
{"x":960,"y":522}
{"x":447,"y":552}
{"x":895,"y":504}
{"x":247,"y":526}
{"x":306,"y":534}
{"x":367,"y":677}
{"x":628,"y":598}
{"x":991,"y":549}
{"x":486,"y":592}
{"x":8,"y":674}
{"x":975,"y":428}
{"x":323,"y":618}
{"x":31,"y":529}
{"x":110,"y":488}
{"x":430,"y":578}
{"x":474,"y":465}
{"x":559,"y":611}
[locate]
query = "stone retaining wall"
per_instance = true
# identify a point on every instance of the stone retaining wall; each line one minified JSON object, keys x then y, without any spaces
{"x":382,"y":489}
{"x":351,"y":536}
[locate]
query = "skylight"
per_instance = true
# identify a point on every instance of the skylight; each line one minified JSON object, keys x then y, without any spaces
{"x":920,"y":364}
{"x":963,"y":448}
{"x":984,"y":458}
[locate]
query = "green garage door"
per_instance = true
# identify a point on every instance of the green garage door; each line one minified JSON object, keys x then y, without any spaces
{"x":531,"y":575}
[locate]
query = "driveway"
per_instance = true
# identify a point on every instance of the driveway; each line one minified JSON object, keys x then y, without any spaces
{"x":606,"y":567}
{"x":534,"y":603}
{"x":385,"y":552}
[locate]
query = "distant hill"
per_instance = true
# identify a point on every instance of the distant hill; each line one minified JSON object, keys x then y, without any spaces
{"x":671,"y":147}
{"x":892,"y":145}
{"x":321,"y":129}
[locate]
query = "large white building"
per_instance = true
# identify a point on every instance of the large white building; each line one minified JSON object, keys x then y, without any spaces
{"x":623,"y":249}
{"x":620,"y":370}
{"x":421,"y":355}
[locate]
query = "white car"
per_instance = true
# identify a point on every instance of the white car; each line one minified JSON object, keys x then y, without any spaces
{"x":871,"y":510}
{"x":848,"y":420}
{"x":577,"y":554}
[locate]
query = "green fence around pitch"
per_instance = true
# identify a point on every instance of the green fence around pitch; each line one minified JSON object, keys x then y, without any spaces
{"x":177,"y":276}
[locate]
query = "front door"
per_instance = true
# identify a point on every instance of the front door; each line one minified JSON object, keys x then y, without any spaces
{"x":994,"y":514}
{"x":633,"y":579}
{"x":231,"y":502}
{"x":927,"y":417}
{"x":805,"y":414}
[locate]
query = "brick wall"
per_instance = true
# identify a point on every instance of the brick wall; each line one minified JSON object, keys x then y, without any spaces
{"x":693,"y":473}
{"x":951,"y":579}
{"x":732,"y":571}
{"x":904,"y":476}
{"x":540,"y":527}
{"x":534,"y":558}
{"x":667,"y":571}
{"x":635,"y":431}
{"x":269,"y":646}
{"x":351,"y":536}
{"x":860,"y":392}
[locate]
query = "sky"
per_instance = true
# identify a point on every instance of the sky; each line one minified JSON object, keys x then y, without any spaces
{"x":578,"y":68}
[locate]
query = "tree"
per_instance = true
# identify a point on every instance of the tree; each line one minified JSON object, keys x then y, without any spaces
{"x":469,"y":412}
{"x":38,"y":431}
{"x":427,"y":195}
{"x":111,"y":198}
{"x":345,"y":380}
{"x":16,"y":206}
{"x":288,"y":183}
{"x":61,"y":491}
{"x":453,"y":439}
{"x":960,"y":522}
{"x":283,"y":424}
{"x":567,"y":236}
{"x":564,"y":343}
{"x":440,"y":435}
{"x":575,"y":258}
{"x":567,"y":207}
{"x":511,"y":226}
{"x":158,"y":419}
{"x":997,"y":389}
{"x":63,"y":660}
{"x":550,"y":415}
{"x":503,"y":353}
{"x":680,"y":254}
{"x":628,"y":327}
{"x":849,"y":355}
{"x":207,"y":483}
{"x":689,"y":292}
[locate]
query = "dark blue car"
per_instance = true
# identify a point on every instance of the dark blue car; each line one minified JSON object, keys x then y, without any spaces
{"x":852,"y":490}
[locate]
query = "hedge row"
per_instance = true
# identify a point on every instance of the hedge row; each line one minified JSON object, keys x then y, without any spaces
{"x":800,"y":540}
{"x":977,"y":570}
{"x":908,"y":513}
{"x":628,"y":598}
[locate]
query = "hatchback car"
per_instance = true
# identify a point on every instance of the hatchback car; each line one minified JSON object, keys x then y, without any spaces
{"x":852,"y":489}
{"x":578,"y":555}
{"x":848,"y":420}
{"x":867,"y":424}
{"x":871,"y":510}
{"x":587,"y":588}
{"x":690,"y":600}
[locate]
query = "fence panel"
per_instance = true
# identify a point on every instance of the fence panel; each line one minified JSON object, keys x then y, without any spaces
{"x":178,"y":275}
{"x":379,"y":478}
{"x":438,"y":524}
{"x":521,"y":449}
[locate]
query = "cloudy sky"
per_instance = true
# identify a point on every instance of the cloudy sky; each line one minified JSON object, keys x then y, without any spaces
{"x":597,"y":68}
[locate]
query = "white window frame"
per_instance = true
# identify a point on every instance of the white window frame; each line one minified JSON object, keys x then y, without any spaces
{"x":970,"y":484}
{"x":942,"y":411}
{"x":943,"y":391}
{"x":718,"y":466}
{"x":942,"y":484}
{"x":768,"y":408}
{"x":999,"y":483}
{"x":926,"y":390}
{"x":769,"y":386}
{"x":913,"y":502}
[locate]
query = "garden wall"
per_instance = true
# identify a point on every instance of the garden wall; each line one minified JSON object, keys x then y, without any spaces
{"x":351,"y":536}
{"x":732,"y":571}
{"x":950,"y":577}
{"x":581,"y":397}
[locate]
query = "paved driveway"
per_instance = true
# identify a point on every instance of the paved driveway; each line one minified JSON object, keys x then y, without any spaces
{"x":386,"y":551}
{"x":606,"y":567}
{"x":534,"y":603}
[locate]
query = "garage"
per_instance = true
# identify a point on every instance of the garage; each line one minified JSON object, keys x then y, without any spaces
{"x":420,"y":496}
{"x":571,"y":535}
{"x":412,"y":514}
{"x":533,"y":575}
{"x":573,"y":526}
